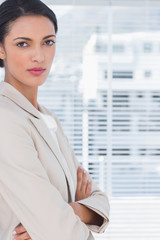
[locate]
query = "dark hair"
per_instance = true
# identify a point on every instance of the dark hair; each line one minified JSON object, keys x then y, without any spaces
{"x":10,"y":10}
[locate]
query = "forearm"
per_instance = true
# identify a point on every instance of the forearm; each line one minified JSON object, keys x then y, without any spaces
{"x":86,"y":215}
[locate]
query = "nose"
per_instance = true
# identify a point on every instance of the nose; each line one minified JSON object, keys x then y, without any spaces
{"x":38,"y":55}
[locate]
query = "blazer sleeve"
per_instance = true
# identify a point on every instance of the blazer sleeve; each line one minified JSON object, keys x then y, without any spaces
{"x":98,"y":200}
{"x":25,"y":186}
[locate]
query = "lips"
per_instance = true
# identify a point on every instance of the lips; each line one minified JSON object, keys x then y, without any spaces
{"x":36,"y":71}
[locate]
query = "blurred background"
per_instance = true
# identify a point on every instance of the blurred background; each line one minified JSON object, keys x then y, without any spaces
{"x":104,"y":86}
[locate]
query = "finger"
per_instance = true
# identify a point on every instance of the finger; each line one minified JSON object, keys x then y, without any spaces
{"x":20,"y":229}
{"x":79,"y":178}
{"x":23,"y":236}
{"x":88,"y":188}
{"x":84,"y":182}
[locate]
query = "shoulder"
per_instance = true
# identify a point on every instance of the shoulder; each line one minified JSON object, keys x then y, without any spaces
{"x":9,"y":107}
{"x":12,"y":116}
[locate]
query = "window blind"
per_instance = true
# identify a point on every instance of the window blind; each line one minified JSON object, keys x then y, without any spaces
{"x":106,"y":75}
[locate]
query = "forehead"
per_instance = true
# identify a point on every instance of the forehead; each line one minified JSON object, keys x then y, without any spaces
{"x":31,"y":25}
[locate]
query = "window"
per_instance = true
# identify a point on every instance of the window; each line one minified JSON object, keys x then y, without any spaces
{"x":147,"y":74}
{"x":113,"y":125}
{"x":118,"y":48}
{"x":147,"y":47}
{"x":105,"y":74}
{"x":122,"y":74}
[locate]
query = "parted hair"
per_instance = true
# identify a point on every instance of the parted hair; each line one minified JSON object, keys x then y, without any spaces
{"x":10,"y":10}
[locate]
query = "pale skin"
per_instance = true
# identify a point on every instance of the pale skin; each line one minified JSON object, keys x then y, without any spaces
{"x":38,"y":50}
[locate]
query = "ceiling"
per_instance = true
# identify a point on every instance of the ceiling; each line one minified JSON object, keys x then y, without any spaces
{"x":73,"y":2}
{"x":102,"y":2}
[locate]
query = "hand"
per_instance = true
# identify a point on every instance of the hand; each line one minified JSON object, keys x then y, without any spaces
{"x":86,"y":215}
{"x":84,"y":191}
{"x":83,"y":185}
{"x":21,"y":233}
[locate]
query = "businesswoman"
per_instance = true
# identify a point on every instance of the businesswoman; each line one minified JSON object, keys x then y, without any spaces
{"x":44,"y":193}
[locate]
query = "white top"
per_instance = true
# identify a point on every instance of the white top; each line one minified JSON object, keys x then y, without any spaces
{"x":52,"y":125}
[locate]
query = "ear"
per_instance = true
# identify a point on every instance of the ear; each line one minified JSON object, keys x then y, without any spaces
{"x":2,"y":52}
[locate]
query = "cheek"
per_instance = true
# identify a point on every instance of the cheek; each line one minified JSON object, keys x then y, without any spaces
{"x":49,"y":58}
{"x":51,"y":52}
{"x":16,"y":63}
{"x":17,"y":59}
{"x":50,"y":55}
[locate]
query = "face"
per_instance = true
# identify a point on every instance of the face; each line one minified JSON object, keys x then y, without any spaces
{"x":29,"y":44}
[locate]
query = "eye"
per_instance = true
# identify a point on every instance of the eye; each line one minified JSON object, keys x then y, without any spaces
{"x":21,"y":44}
{"x":50,"y":42}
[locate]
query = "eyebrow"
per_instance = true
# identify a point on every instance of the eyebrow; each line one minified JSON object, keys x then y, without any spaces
{"x":28,"y":39}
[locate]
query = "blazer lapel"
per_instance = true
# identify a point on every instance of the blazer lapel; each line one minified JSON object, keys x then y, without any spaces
{"x":47,"y":136}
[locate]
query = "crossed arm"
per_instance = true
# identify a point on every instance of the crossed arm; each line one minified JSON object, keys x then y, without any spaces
{"x":85,"y":214}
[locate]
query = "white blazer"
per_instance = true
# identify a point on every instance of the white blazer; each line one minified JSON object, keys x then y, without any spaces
{"x":35,"y":184}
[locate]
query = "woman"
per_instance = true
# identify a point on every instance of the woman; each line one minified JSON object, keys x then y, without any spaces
{"x":44,"y":193}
